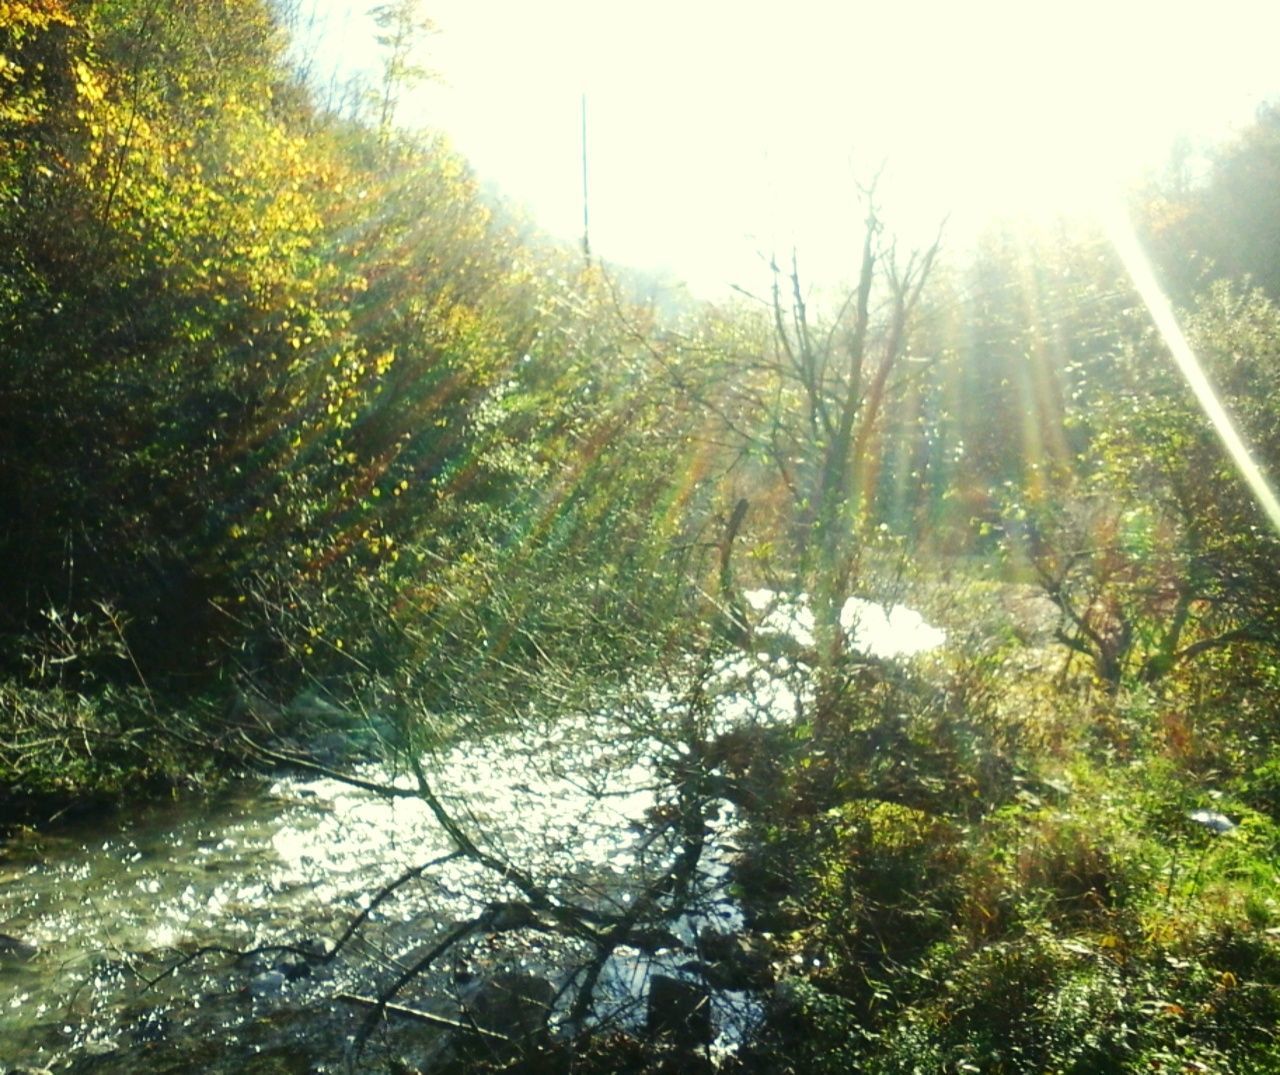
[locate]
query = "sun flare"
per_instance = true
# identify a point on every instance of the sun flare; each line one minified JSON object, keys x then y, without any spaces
{"x":719,"y":130}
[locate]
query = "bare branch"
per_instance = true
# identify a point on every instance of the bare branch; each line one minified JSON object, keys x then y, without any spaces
{"x":302,"y":761}
{"x":385,"y":1007}
{"x":408,"y":974}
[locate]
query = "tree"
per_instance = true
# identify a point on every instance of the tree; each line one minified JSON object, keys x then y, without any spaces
{"x":1226,"y":225}
{"x":402,"y":27}
{"x":802,"y":397}
{"x":1022,"y":333}
{"x":1156,"y":553}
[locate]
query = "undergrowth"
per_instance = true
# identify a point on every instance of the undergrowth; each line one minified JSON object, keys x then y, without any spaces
{"x":1022,"y":877}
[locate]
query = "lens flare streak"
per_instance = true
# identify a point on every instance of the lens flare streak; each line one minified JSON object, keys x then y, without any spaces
{"x":1143,"y":275}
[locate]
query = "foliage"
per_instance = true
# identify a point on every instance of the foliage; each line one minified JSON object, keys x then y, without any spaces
{"x":273,"y":353}
{"x":1018,"y":336}
{"x":1158,"y":555}
{"x":1221,"y":225}
{"x":1084,"y":923}
{"x":65,"y":747}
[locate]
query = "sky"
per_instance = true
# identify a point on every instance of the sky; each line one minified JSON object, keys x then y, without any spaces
{"x":721,"y":132}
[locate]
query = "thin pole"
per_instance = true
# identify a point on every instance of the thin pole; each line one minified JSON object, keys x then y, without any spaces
{"x":586,"y":220}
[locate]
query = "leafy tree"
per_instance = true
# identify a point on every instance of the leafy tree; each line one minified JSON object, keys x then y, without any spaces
{"x":222,"y":323}
{"x":1020,"y":335}
{"x":1225,"y":223}
{"x":1163,"y":555}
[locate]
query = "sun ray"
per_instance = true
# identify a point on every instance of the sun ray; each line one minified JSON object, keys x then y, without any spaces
{"x":1138,"y":265}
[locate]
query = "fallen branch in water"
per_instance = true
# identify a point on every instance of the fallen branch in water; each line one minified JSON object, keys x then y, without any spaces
{"x":238,"y":956}
{"x":384,"y":998}
{"x":495,"y":918}
{"x":533,"y":904}
{"x":382,"y":1007}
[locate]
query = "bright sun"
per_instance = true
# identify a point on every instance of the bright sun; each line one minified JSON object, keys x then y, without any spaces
{"x":720,"y":130}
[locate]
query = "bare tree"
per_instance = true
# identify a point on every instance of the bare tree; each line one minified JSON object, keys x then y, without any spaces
{"x":809,"y":408}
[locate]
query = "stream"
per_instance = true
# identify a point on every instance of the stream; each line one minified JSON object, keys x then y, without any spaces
{"x":111,"y":907}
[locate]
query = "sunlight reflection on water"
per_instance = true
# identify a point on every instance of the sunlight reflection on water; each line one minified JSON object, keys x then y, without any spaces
{"x":564,"y":797}
{"x":898,"y":632}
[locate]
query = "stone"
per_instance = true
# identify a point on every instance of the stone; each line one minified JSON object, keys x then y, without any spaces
{"x":16,"y":950}
{"x":151,"y":1026}
{"x":294,"y":969}
{"x":515,"y":1004}
{"x":1215,"y":822}
{"x":268,"y":984}
{"x":680,"y":1010}
{"x":734,"y":961}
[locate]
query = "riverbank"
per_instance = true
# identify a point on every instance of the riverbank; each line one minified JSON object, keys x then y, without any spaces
{"x":997,"y":866}
{"x":67,"y":754}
